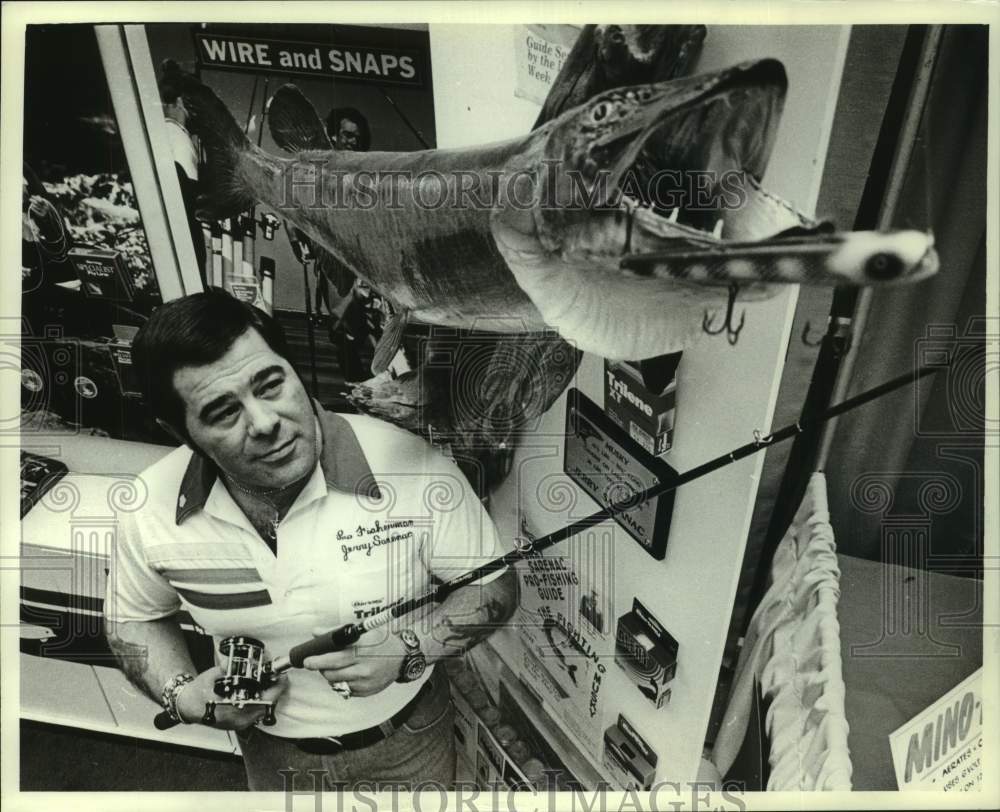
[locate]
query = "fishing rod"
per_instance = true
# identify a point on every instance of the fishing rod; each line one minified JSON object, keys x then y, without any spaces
{"x":247,"y":674}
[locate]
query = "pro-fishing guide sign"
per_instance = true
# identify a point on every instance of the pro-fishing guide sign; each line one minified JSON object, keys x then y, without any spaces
{"x":388,"y":63}
{"x":942,"y":747}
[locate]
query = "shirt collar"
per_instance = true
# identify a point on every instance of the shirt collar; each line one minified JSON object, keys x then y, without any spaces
{"x":342,"y":461}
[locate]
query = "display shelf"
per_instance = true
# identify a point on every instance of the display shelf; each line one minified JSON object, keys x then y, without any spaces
{"x":575,"y":761}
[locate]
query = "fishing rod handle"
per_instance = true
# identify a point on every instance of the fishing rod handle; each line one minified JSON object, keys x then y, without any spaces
{"x":336,"y":640}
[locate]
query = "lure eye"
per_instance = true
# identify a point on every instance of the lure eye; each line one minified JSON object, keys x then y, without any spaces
{"x":883,"y":267}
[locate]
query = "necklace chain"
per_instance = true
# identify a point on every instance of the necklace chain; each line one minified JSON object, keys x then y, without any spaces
{"x":262,"y":495}
{"x":262,"y":492}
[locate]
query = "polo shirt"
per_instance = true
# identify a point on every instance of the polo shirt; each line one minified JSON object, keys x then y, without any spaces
{"x":382,"y":517}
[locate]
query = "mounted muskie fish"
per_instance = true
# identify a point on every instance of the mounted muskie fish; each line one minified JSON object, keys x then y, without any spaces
{"x":529,"y":233}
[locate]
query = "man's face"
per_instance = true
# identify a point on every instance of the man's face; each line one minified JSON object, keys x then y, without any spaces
{"x":250,"y":414}
{"x":348,"y":135}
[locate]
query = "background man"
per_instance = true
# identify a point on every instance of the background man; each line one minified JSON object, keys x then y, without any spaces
{"x":348,"y":129}
{"x":279,"y":520}
{"x":184,"y":151}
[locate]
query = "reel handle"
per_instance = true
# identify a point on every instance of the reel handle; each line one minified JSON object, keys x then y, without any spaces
{"x":208,"y":717}
{"x":336,"y":640}
{"x":268,"y":719}
{"x":162,"y":721}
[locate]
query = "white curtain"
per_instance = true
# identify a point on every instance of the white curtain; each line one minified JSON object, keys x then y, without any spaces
{"x":792,"y":649}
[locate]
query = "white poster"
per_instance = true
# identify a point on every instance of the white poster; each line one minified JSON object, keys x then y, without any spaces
{"x":539,"y":51}
{"x":565,"y":626}
{"x":941,"y":747}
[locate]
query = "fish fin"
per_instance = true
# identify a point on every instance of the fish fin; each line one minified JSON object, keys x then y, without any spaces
{"x":295,"y":125}
{"x":390,"y":342}
{"x":224,"y":142}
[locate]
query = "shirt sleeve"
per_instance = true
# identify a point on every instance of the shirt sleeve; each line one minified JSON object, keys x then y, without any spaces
{"x":462,"y":534}
{"x":135,"y":591}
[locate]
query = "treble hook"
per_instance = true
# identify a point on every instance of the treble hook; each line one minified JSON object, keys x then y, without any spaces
{"x":732,"y":333}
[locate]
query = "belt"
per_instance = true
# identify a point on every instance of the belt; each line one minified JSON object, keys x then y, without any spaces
{"x":359,"y":738}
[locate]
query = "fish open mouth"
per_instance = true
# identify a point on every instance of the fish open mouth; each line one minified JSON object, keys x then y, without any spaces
{"x":701,"y":148}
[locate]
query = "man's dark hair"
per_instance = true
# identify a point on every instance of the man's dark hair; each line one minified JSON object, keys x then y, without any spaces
{"x":338,"y":114}
{"x":171,"y":81}
{"x":194,"y":330}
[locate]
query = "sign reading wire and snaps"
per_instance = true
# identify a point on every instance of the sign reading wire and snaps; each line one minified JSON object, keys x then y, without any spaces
{"x":385,"y":64}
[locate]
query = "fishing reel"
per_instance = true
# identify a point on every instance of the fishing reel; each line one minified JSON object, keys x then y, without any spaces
{"x":247,"y":677}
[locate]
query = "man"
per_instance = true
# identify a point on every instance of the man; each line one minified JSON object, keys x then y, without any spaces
{"x":185,"y":154}
{"x":348,"y":129}
{"x":360,"y":325}
{"x":280,"y":521}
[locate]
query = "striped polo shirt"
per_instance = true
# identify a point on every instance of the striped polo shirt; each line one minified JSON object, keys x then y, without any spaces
{"x":382,"y":517}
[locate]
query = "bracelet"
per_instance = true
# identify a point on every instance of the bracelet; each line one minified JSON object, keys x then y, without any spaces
{"x":172,"y":690}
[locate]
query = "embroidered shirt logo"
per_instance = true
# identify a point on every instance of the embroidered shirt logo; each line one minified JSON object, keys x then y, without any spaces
{"x":366,"y":538}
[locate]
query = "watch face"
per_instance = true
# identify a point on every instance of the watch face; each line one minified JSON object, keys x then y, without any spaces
{"x":415,"y":667}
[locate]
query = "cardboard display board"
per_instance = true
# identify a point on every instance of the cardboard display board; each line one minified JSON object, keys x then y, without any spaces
{"x":723,"y":394}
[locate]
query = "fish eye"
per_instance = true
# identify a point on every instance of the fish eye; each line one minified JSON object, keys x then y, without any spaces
{"x":600,"y":112}
{"x":883,"y":266}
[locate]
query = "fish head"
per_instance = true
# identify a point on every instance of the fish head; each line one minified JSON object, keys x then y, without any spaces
{"x":668,"y":147}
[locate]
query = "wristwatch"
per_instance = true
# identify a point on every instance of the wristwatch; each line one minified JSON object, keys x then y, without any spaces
{"x":414,"y":662}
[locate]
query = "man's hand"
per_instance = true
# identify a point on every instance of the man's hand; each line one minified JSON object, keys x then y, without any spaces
{"x":366,"y":669}
{"x":192,"y":699}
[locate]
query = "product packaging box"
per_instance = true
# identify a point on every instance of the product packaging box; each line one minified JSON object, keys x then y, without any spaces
{"x":121,"y":357}
{"x":641,"y":398}
{"x":647,"y":652}
{"x":628,"y":757}
{"x":101,"y":273}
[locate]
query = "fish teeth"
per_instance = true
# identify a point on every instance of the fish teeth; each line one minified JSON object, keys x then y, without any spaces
{"x":674,"y":215}
{"x":717,"y":231}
